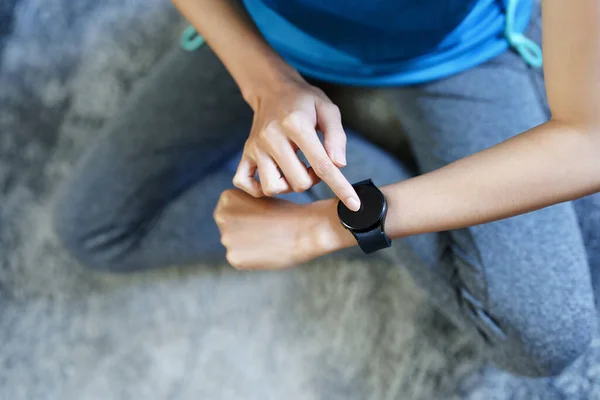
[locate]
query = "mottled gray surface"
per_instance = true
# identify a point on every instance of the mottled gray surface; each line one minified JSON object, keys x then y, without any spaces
{"x":330,"y":330}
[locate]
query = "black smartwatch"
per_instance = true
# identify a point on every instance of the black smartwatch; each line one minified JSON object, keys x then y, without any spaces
{"x":367,"y":224}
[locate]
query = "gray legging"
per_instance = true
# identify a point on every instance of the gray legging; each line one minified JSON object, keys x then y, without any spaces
{"x":144,"y":194}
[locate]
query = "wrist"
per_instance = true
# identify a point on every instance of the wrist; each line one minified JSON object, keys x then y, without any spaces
{"x":326,"y":232}
{"x":271,"y":78}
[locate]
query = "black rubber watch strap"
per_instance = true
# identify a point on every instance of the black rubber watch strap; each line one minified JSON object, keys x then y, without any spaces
{"x":373,"y":240}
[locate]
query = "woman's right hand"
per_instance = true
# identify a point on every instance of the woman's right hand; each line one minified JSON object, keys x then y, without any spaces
{"x":287,"y":116}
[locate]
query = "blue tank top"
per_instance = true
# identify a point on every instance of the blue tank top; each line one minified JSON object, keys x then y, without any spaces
{"x":388,"y":42}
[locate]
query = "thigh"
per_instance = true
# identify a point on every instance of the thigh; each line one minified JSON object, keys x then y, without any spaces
{"x":588,"y":214}
{"x":144,"y":193}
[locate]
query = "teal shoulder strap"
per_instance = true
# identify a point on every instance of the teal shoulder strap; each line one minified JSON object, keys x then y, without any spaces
{"x":527,"y":48}
{"x":190,"y":40}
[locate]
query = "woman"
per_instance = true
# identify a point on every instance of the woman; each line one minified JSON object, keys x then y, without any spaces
{"x":463,"y":79}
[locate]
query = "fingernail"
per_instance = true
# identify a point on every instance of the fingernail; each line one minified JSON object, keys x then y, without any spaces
{"x":340,"y":157}
{"x":353,"y":203}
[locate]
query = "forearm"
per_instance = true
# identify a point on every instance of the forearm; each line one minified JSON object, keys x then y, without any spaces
{"x":550,"y":164}
{"x":231,"y":34}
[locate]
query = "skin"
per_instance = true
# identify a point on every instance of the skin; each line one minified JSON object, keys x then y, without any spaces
{"x":552,"y":163}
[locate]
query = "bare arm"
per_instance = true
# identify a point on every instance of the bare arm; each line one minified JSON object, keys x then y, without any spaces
{"x":552,"y":163}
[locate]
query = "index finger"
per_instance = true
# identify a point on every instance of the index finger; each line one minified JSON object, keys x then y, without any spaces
{"x":307,"y":140}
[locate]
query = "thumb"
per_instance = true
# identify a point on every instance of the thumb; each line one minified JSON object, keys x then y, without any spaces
{"x":329,"y":122}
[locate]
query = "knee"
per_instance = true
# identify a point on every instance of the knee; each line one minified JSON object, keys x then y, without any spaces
{"x":103,"y":248}
{"x":545,"y":347}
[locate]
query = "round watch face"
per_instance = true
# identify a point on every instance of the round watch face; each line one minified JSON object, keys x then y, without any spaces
{"x":372,"y":207}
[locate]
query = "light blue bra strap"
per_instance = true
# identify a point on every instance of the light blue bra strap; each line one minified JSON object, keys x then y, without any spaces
{"x":527,"y":48}
{"x":190,"y":40}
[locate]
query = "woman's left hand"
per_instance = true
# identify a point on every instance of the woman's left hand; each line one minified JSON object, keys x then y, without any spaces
{"x":269,"y":233}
